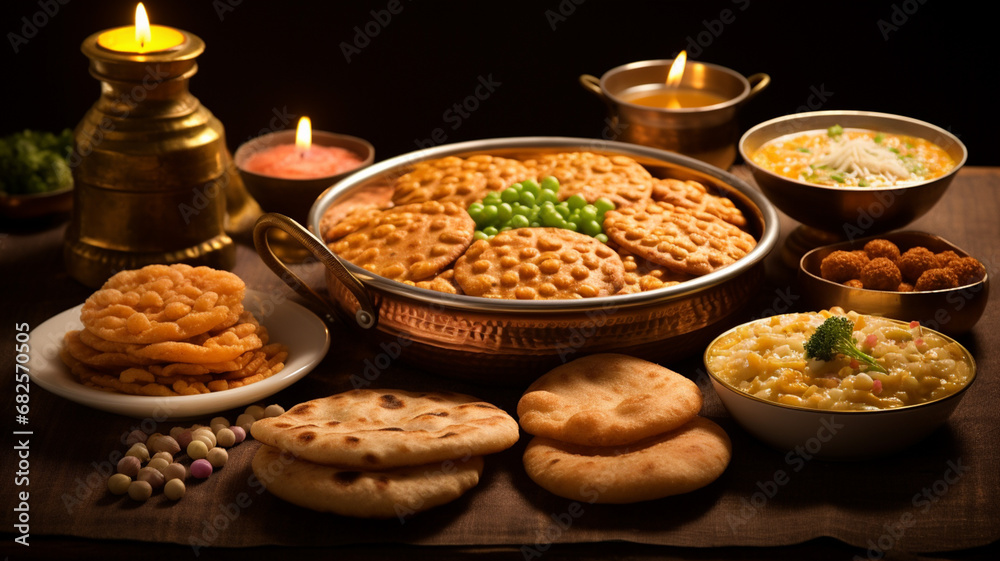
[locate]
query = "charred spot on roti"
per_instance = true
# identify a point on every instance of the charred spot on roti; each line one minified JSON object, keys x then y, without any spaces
{"x":390,"y":401}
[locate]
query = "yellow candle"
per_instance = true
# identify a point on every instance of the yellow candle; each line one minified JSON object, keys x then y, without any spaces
{"x":141,"y":38}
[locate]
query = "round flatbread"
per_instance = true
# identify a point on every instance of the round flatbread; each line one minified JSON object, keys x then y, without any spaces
{"x":379,"y":429}
{"x":394,"y":493}
{"x":669,"y":464}
{"x":607,"y":400}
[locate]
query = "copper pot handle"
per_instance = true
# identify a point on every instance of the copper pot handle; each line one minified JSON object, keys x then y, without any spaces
{"x":758,"y":82}
{"x":367,"y":314}
{"x":592,"y":84}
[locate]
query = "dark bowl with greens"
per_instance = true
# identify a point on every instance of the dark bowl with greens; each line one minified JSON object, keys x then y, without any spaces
{"x":35,"y":175}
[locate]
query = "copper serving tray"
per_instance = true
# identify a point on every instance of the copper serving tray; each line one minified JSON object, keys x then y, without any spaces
{"x":513,"y":341}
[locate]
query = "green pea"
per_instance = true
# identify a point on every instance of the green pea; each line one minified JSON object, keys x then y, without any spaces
{"x":548,"y":197}
{"x":563,"y":210}
{"x":491,"y":198}
{"x":488,"y":215}
{"x":530,"y":186}
{"x":576,"y":201}
{"x":603,"y":238}
{"x":475,"y":207}
{"x":504,"y":212}
{"x":550,"y":183}
{"x":604,"y":205}
{"x":588,"y":213}
{"x":527,"y":198}
{"x":510,"y":195}
{"x":490,"y":231}
{"x":590,"y":227}
{"x":571,"y":226}
{"x":536,"y":224}
{"x":477,"y":215}
{"x":520,"y":221}
{"x":552,"y":219}
{"x":480,"y":235}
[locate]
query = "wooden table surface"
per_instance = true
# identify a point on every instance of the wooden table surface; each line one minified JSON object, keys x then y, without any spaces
{"x":35,"y":287}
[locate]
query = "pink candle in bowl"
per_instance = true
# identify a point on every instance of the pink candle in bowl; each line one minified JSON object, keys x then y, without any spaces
{"x":287,"y":170}
{"x":302,"y":160}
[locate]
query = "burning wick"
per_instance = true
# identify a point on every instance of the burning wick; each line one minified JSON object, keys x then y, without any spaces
{"x":303,"y":136}
{"x":674,"y":77}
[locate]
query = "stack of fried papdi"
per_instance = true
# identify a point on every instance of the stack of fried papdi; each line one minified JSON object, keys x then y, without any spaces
{"x":611,"y":428}
{"x":379,"y":453}
{"x":170,"y":330}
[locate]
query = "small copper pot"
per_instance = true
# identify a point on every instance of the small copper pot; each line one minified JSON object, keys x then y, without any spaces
{"x":707,"y":133}
{"x":511,"y":342}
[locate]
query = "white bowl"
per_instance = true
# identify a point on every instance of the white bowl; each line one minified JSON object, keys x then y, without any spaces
{"x":836,"y":435}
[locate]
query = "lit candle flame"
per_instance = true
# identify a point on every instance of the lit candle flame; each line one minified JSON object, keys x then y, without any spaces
{"x":303,"y":135}
{"x":674,"y":78}
{"x":677,"y":70}
{"x":143,"y":35}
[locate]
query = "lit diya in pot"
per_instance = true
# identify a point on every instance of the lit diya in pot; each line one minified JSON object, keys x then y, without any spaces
{"x":302,"y":160}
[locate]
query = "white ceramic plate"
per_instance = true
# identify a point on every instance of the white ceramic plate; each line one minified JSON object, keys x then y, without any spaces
{"x":287,"y":322}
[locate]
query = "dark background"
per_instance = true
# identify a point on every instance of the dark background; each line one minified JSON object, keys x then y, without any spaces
{"x":933,"y":60}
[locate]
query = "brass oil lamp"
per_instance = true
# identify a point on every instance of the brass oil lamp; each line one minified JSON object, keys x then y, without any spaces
{"x":151,"y":170}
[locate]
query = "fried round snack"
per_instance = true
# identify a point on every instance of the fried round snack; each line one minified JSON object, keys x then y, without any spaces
{"x":607,"y":400}
{"x":163,"y":303}
{"x":351,"y":223}
{"x":641,"y":275}
{"x":672,"y":463}
{"x":96,"y":358}
{"x":882,"y":248}
{"x":458,"y":180}
{"x":841,"y":266}
{"x":213,"y":347}
{"x":619,"y":179}
{"x":693,"y":196}
{"x":410,"y":242}
{"x":445,"y":282}
{"x":378,"y":429}
{"x":936,"y":279}
{"x":397,"y":492}
{"x":683,"y":241}
{"x":881,"y":274}
{"x":539,"y":263}
{"x":967,"y":269}
{"x":914,"y":261}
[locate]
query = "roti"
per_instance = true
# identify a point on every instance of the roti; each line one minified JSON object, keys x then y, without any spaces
{"x":380,"y":429}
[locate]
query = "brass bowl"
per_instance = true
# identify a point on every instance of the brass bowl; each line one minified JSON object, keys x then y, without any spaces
{"x":509,"y":341}
{"x":834,"y":214}
{"x":841,"y":434}
{"x":26,"y":207}
{"x":952,"y":311}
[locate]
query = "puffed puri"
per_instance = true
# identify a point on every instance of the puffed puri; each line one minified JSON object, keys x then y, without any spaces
{"x":672,"y":463}
{"x":393,"y":493}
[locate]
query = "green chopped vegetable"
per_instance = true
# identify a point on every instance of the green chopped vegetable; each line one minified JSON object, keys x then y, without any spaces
{"x":839,"y":178}
{"x":836,"y":336}
{"x":34,"y":162}
{"x":528,"y":204}
{"x":804,"y":150}
{"x":835,"y":131}
{"x":879,"y":138}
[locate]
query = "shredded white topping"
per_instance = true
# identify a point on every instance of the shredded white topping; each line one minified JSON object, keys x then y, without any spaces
{"x":863,"y":157}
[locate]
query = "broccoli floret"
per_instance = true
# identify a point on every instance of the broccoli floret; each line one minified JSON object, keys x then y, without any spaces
{"x":836,"y":336}
{"x":35,"y":162}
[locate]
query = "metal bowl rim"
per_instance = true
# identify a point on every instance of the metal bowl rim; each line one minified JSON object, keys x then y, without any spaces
{"x":848,"y":113}
{"x":729,"y":102}
{"x":768,"y":238}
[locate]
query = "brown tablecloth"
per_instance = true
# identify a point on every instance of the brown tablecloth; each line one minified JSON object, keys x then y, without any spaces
{"x":940,"y":495}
